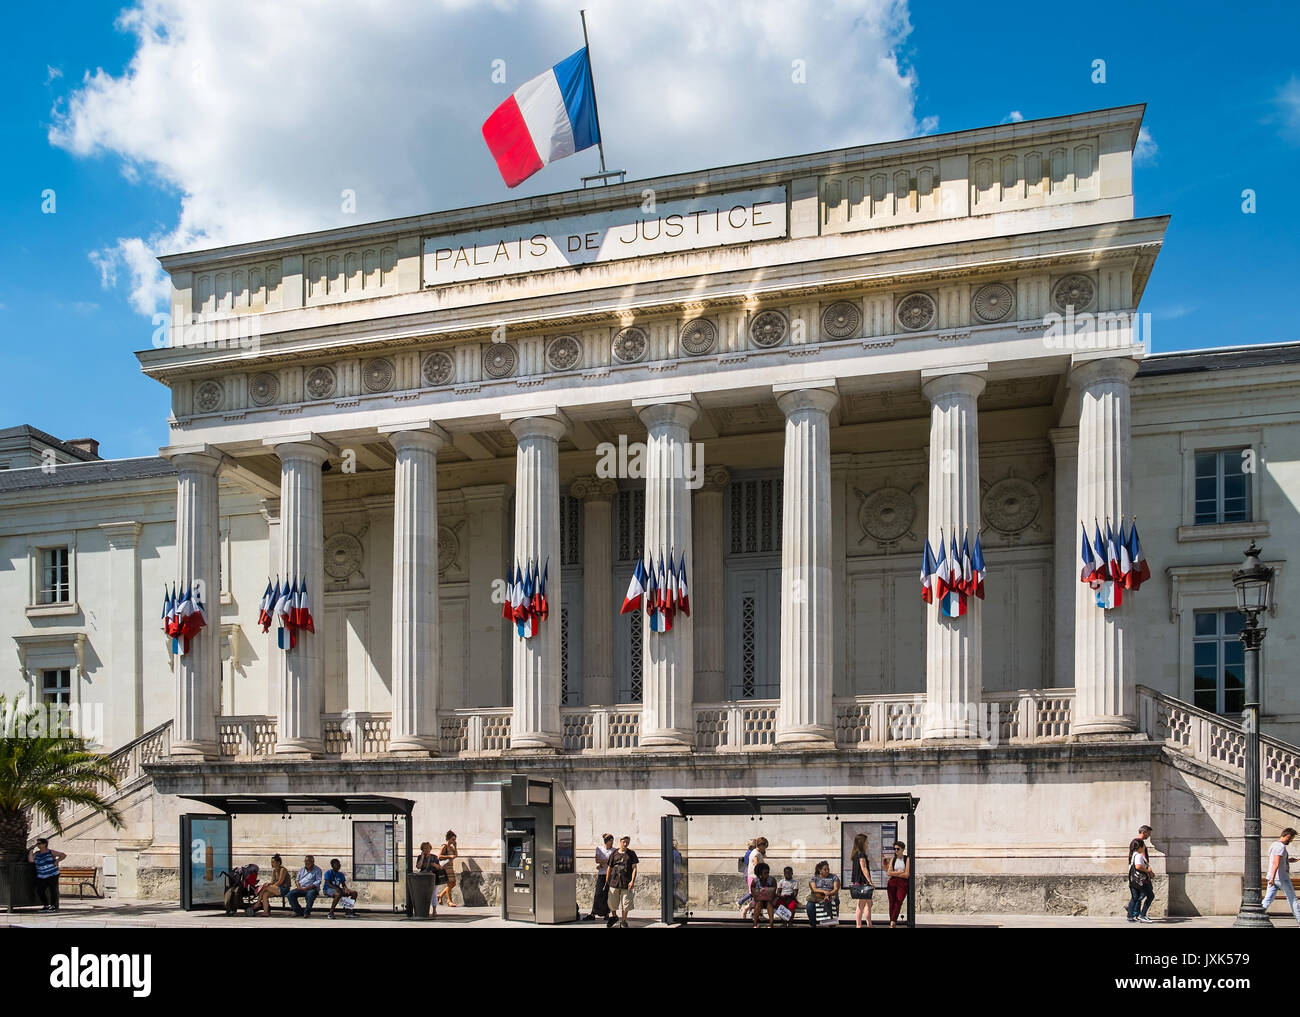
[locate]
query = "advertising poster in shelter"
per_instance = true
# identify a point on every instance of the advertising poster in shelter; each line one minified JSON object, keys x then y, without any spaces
{"x":879,"y":835}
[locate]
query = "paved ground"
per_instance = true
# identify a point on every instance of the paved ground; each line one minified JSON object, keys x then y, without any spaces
{"x":167,"y":914}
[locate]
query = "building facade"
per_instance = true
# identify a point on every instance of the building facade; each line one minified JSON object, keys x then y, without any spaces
{"x":792,"y":374}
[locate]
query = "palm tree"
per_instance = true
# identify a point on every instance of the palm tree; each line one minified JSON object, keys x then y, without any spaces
{"x":41,"y":771}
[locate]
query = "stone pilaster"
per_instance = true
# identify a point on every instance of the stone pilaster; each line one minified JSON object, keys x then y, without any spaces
{"x":1105,"y":701}
{"x":300,"y":672}
{"x":599,"y":596}
{"x":954,"y":648}
{"x":127,"y":629}
{"x":415,"y":589}
{"x":806,"y":715}
{"x":198,"y":672}
{"x":535,"y":723}
{"x":668,"y":658}
{"x":707,"y":586}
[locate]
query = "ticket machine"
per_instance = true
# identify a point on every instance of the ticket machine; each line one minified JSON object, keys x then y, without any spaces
{"x":539,"y":880}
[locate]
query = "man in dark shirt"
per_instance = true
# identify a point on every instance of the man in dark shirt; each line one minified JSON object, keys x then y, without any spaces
{"x":622,"y":881}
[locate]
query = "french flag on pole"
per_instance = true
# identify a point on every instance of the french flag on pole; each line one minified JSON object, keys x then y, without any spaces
{"x":547,"y":118}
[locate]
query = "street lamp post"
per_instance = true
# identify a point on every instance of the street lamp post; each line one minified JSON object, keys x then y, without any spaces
{"x":1254,"y":583}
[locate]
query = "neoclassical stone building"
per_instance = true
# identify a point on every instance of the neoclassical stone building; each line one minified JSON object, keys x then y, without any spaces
{"x":795,"y":372}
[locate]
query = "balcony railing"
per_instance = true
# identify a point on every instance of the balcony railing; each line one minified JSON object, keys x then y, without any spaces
{"x":861,"y":722}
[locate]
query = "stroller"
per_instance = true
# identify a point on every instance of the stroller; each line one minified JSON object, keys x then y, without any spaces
{"x":241,"y":889}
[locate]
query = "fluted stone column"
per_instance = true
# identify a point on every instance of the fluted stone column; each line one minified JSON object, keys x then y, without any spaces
{"x":668,"y":658}
{"x":598,"y":601}
{"x":415,"y":589}
{"x":954,"y":648}
{"x":806,"y":716}
{"x":300,"y":672}
{"x":707,"y":586}
{"x":1103,"y":640}
{"x":127,"y":629}
{"x":535,"y":724}
{"x":198,"y":673}
{"x":1065,"y":551}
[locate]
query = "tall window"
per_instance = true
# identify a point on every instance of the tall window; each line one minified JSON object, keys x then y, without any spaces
{"x":1219,"y":680}
{"x":1222,"y":487}
{"x":55,"y":587}
{"x":56,"y":687}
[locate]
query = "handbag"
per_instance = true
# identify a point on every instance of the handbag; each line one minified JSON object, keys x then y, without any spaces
{"x":824,"y":914}
{"x":860,"y":891}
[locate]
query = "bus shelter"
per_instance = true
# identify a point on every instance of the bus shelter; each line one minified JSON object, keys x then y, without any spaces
{"x":207,"y":846}
{"x":698,"y":845}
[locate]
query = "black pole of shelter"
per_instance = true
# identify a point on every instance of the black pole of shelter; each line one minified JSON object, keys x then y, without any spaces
{"x":600,"y":133}
{"x":410,"y":862}
{"x":911,"y":883}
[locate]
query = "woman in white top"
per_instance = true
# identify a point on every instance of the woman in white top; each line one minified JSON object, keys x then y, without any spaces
{"x":899,"y":867}
{"x":756,"y":858}
{"x":1141,"y":892}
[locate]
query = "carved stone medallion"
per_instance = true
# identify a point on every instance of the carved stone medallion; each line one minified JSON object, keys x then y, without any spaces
{"x":499,"y":360}
{"x":699,"y":336}
{"x":1011,"y":505}
{"x":448,"y":549}
{"x":263,"y":389}
{"x":842,"y":320}
{"x":1075,"y":291}
{"x":768,"y":329}
{"x":438,"y":369}
{"x":563,"y":353}
{"x":886,"y":514}
{"x":993,"y":302}
{"x":916,"y":311}
{"x":321,"y":382}
{"x":629,"y":345}
{"x":377,"y":375}
{"x":209,"y":396}
{"x":342,"y":556}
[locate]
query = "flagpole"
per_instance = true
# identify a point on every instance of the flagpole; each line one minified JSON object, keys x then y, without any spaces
{"x":600,"y":141}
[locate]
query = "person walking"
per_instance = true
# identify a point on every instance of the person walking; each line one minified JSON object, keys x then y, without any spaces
{"x":447,"y":862}
{"x":46,"y":861}
{"x":756,"y":857}
{"x":622,"y":883}
{"x":600,"y":901}
{"x":860,"y":885}
{"x":1141,"y":890}
{"x":899,"y":867}
{"x":1279,"y":872}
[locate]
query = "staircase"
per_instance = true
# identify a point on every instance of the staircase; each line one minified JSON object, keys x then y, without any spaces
{"x":128,"y":764}
{"x":1192,"y":735}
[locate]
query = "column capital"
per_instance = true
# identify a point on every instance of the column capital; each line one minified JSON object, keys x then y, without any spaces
{"x":122,"y":536}
{"x":420,"y":434}
{"x":540,"y":422}
{"x":1065,"y":441}
{"x":792,"y":397}
{"x":681,"y":410}
{"x":198,"y":456}
{"x":593,"y":488}
{"x":302,"y":446}
{"x":967,"y":379}
{"x":1091,"y":368}
{"x":270,"y":508}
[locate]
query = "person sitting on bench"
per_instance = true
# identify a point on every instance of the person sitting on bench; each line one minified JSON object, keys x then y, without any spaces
{"x":337,"y":890}
{"x":308,"y":885}
{"x":276,"y":886}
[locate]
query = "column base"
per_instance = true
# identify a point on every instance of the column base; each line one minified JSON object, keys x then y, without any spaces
{"x":413,"y":745}
{"x":1252,"y":916}
{"x":953,"y":734}
{"x":668,"y":740}
{"x":535,"y":745}
{"x":812,"y":737}
{"x":409,"y":753}
{"x":1107,"y":726}
{"x":196,"y":750}
{"x":299,"y":748}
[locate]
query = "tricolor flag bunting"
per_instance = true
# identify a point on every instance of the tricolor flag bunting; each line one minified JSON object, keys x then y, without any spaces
{"x":545,"y":119}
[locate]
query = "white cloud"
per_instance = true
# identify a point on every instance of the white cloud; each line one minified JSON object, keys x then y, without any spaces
{"x":1144,"y":152}
{"x":258,"y":115}
{"x":52,"y":73}
{"x":1014,"y":117}
{"x":1288,"y":104}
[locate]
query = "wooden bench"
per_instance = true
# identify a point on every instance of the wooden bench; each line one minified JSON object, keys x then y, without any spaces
{"x":82,"y":878}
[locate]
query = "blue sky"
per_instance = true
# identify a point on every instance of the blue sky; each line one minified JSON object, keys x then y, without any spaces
{"x":191,"y":132}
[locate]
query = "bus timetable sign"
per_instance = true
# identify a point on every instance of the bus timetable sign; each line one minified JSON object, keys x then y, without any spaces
{"x":711,"y":220}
